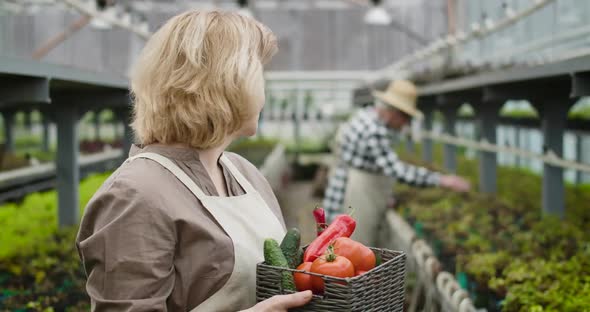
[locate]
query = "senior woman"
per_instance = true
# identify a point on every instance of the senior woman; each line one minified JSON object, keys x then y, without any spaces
{"x":180,"y":225}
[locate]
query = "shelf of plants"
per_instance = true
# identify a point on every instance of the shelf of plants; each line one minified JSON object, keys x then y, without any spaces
{"x":501,"y":248}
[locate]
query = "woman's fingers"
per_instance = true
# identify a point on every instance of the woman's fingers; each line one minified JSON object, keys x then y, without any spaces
{"x":292,"y":301}
{"x":281,"y":303}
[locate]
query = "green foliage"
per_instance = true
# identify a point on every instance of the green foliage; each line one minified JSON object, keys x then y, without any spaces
{"x":255,"y":149}
{"x":581,"y":110}
{"x":519,"y":113}
{"x":466,"y":110}
{"x":308,"y":146}
{"x":504,"y":243}
{"x":545,"y":285}
{"x":39,"y":265}
{"x":27,"y":141}
{"x":88,"y":117}
{"x":107,"y":116}
{"x":26,"y":224}
{"x":40,"y":155}
{"x":48,"y":277}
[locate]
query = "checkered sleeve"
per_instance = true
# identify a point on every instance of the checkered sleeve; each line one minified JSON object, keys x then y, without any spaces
{"x":390,"y":164}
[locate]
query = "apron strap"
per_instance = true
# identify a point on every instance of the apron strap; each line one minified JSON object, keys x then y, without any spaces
{"x":173,"y":168}
{"x":237,"y":174}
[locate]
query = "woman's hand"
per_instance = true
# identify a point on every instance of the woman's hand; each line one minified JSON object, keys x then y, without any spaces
{"x":281,"y":303}
{"x":454,"y":183}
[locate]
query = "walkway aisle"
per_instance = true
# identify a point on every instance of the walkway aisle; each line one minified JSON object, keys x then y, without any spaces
{"x":297,"y":204}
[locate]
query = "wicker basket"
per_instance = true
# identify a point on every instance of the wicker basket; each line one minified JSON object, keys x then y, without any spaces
{"x":381,"y":289}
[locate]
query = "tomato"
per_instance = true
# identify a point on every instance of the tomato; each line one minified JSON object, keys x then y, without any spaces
{"x":331,"y":265}
{"x":359,"y":272}
{"x":360,"y":255}
{"x":302,"y":280}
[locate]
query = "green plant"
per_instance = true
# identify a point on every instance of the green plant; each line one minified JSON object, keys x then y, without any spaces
{"x":48,"y":277}
{"x":503,"y":242}
{"x":545,"y":285}
{"x":33,"y":220}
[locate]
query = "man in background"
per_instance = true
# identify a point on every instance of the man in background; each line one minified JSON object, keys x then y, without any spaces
{"x":367,"y":166}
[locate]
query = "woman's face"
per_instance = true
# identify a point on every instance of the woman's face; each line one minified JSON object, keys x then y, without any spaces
{"x":250,"y":126}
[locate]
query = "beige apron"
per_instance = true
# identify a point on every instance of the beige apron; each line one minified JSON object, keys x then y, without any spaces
{"x":367,"y":193}
{"x":248,"y":221}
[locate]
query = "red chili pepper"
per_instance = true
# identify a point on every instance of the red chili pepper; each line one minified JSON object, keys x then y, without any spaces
{"x":343,"y":226}
{"x":320,"y":219}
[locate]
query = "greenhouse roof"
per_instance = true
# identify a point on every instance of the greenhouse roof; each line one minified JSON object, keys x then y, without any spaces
{"x":572,"y":69}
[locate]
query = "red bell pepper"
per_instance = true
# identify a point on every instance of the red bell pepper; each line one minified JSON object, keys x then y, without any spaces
{"x":320,"y":219}
{"x":343,"y":226}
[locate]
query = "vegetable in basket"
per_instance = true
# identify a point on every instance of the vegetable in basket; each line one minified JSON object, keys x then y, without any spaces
{"x":290,"y":247}
{"x":361,"y":256}
{"x":273,"y":255}
{"x":330,"y":265}
{"x":302,"y":280}
{"x":320,"y":219}
{"x":343,"y":226}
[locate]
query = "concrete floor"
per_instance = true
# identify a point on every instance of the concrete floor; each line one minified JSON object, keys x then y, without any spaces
{"x":297,"y":204}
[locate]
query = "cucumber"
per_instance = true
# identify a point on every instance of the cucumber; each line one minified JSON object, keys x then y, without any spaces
{"x":300,"y":253}
{"x":378,"y":259}
{"x":290,"y":247}
{"x":274,"y":256}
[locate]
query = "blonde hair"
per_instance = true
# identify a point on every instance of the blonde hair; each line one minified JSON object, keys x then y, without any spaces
{"x":197,"y":79}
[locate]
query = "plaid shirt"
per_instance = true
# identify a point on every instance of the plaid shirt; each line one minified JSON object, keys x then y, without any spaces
{"x":364,"y":142}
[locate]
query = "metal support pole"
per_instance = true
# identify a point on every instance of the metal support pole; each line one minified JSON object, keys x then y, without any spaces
{"x":68,"y":172}
{"x":487,"y":118}
{"x":426,"y":142}
{"x":553,"y":119}
{"x":526,"y":133}
{"x":96,"y":121}
{"x":297,"y":123}
{"x":124,"y":117}
{"x":410,"y":148}
{"x":127,"y":138}
{"x":8,"y":130}
{"x":450,"y":151}
{"x":46,"y":123}
{"x":579,"y":157}
{"x":585,"y":150}
{"x":517,"y":160}
{"x":28,"y":121}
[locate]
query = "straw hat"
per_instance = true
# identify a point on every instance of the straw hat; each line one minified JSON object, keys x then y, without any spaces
{"x":402,"y":95}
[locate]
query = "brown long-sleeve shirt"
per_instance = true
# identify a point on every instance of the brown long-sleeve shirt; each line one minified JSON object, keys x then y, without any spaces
{"x":148,"y":244}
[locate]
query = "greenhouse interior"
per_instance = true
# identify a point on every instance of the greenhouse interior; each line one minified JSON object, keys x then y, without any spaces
{"x":295,"y":155}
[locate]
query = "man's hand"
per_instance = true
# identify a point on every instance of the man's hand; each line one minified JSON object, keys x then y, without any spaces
{"x":455,"y":183}
{"x":281,"y":303}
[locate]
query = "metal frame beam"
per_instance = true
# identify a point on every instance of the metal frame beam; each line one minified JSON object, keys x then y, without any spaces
{"x":553,"y":121}
{"x":19,"y":90}
{"x":427,"y":105}
{"x":68,"y":171}
{"x":551,"y":88}
{"x":123,"y":114}
{"x":449,"y":107}
{"x":62,"y":94}
{"x":8,"y":117}
{"x":46,"y":132}
{"x":96,"y":124}
{"x":513,"y":75}
{"x":487,"y":120}
{"x":87,"y":100}
{"x":13,"y":67}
